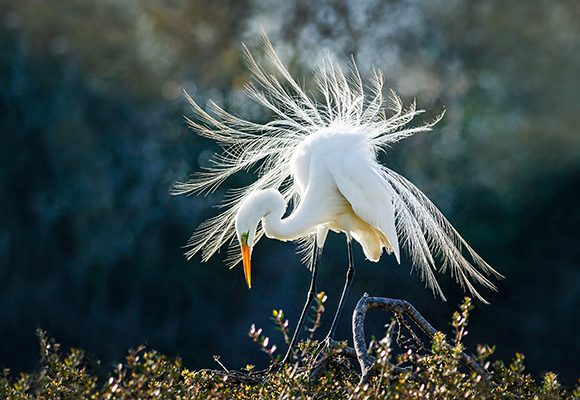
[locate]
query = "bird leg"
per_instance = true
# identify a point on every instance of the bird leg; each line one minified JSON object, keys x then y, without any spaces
{"x":311,"y":293}
{"x":325,"y":348}
{"x":349,"y":278}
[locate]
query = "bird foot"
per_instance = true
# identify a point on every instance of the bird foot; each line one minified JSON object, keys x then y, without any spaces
{"x":279,"y":365}
{"x":325,"y":346}
{"x":273,"y":368}
{"x":276,"y":366}
{"x":324,"y":353}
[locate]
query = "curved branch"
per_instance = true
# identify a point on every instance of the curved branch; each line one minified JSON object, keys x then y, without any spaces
{"x":397,"y":306}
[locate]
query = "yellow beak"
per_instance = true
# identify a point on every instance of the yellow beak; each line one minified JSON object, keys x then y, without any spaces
{"x":246,"y":253}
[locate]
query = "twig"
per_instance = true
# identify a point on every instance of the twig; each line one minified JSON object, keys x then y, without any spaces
{"x":398,"y":307}
{"x":217,"y":360}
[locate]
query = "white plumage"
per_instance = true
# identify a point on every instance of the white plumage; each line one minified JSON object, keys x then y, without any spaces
{"x":321,"y":154}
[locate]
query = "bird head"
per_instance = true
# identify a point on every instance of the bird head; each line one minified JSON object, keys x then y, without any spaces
{"x":247,"y":220}
{"x":257,"y":205}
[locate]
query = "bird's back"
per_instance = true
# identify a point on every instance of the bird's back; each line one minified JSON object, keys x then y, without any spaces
{"x":338,"y":167}
{"x":319,"y":153}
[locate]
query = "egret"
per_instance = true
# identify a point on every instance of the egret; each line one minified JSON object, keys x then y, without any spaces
{"x":320,"y":154}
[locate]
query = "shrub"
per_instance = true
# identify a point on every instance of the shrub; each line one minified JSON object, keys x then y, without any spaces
{"x":433,"y":373}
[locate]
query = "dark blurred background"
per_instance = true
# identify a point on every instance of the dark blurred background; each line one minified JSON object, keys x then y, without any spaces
{"x":92,"y":138}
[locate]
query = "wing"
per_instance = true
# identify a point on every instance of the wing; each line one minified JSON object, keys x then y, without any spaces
{"x":360,"y":182}
{"x":425,"y":231}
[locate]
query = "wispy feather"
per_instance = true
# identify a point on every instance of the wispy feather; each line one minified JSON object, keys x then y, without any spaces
{"x":342,"y":101}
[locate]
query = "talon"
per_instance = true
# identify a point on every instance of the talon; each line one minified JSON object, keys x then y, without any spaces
{"x":275,"y":367}
{"x":324,"y":350}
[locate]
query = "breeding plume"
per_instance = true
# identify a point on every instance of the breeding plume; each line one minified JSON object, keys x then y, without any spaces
{"x":318,"y":152}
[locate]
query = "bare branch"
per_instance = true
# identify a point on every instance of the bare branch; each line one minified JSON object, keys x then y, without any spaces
{"x":396,"y":306}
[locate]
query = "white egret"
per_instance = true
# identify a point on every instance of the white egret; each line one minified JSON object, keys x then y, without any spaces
{"x":321,"y":154}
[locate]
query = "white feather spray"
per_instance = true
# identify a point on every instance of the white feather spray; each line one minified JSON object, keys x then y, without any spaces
{"x":343,"y":101}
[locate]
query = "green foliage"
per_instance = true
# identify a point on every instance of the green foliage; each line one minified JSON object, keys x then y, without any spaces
{"x":281,"y":324}
{"x":438,"y":373}
{"x":317,"y":310}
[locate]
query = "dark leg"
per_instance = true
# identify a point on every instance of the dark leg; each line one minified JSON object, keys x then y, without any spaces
{"x":310,"y":296}
{"x":349,"y":278}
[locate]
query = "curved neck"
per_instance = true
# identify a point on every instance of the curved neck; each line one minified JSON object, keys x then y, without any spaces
{"x":299,"y":224}
{"x":285,"y":229}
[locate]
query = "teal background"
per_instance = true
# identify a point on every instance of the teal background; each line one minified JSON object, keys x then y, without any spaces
{"x":92,"y":137}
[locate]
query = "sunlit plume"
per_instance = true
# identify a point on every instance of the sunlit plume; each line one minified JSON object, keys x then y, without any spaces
{"x":343,"y":104}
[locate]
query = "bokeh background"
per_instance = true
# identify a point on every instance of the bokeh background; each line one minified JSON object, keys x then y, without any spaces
{"x":92,"y":138}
